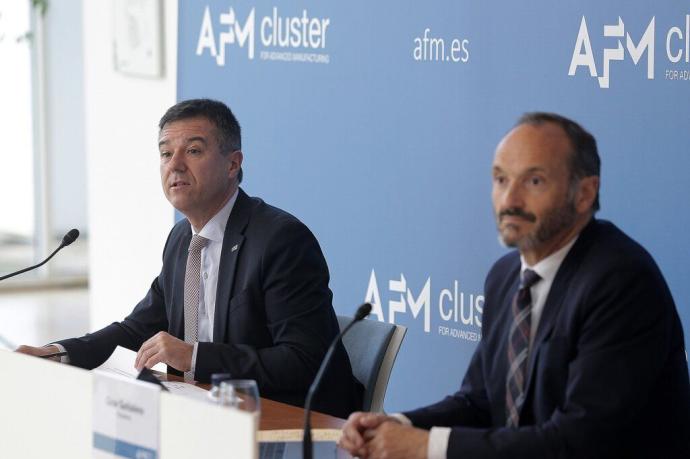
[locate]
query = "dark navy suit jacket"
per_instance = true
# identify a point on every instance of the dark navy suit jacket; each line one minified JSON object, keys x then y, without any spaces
{"x":273,"y":321}
{"x":607,"y":374}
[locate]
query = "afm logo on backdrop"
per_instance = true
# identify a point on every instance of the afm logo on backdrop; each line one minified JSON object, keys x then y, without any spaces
{"x":279,"y":37}
{"x":454,"y":313}
{"x":677,"y":50}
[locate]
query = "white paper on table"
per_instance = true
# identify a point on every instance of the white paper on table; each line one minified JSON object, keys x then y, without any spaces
{"x":188,"y":390}
{"x":122,"y":362}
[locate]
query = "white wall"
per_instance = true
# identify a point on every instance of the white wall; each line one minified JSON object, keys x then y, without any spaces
{"x":128,"y":215}
{"x":16,"y":186}
{"x":65,"y":117}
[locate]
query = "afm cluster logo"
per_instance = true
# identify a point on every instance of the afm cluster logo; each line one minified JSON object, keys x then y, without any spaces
{"x":455,"y":313}
{"x":299,"y":38}
{"x":677,"y":49}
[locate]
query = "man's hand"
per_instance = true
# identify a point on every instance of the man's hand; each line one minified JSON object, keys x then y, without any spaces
{"x":353,"y":436}
{"x":392,"y":440}
{"x":163,"y":347}
{"x":38,"y":351}
{"x":373,"y":435}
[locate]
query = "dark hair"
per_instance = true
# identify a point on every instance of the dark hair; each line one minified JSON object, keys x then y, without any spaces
{"x":228,"y":129}
{"x":585,"y":160}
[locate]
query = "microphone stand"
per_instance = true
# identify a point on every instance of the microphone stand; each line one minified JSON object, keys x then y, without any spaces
{"x":70,"y":237}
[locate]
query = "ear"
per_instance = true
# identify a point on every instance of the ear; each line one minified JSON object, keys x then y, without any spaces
{"x":587,"y":193}
{"x":234,"y":163}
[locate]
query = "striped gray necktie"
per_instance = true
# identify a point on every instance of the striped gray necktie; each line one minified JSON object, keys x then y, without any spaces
{"x":192,"y":287}
{"x":518,"y":348}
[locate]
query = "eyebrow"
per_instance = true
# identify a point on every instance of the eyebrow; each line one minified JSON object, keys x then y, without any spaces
{"x":497,"y":169}
{"x":188,"y":141}
{"x":535,"y":169}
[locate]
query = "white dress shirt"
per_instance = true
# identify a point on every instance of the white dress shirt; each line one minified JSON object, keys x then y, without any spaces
{"x":547,"y":269}
{"x":213,"y":230}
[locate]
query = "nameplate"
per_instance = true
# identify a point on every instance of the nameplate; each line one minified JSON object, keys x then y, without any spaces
{"x":126,"y":417}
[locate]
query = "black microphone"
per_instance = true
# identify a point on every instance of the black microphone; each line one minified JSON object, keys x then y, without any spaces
{"x":307,"y":447}
{"x":69,"y":238}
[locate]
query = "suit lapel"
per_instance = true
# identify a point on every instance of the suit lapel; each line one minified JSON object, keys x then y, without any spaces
{"x":548,"y":316}
{"x":557,"y":296}
{"x":177,"y":307}
{"x":233,"y":240}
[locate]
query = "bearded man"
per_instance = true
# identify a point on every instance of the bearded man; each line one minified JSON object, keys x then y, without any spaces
{"x":582,"y":352}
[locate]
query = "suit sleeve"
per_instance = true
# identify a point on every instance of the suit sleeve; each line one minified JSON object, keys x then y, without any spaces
{"x":624,"y":328}
{"x":470,"y":406}
{"x":467,"y":407}
{"x":298,"y":317}
{"x":147,"y":318}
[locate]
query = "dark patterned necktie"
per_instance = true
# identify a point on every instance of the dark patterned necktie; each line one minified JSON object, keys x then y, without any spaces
{"x":192,"y":284}
{"x":518,"y":348}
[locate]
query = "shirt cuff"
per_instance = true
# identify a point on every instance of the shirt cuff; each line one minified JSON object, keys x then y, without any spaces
{"x":196,"y":346}
{"x":438,"y":443}
{"x":438,"y":438}
{"x":61,"y":348}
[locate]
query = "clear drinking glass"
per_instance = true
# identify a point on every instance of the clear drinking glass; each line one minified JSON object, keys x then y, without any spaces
{"x":242,"y":394}
{"x":216,"y":379}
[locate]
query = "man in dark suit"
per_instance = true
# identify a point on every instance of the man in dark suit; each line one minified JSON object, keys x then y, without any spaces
{"x":244,"y":285}
{"x":582,"y":351}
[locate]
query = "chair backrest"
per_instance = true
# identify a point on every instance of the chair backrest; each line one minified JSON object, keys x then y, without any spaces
{"x":372,"y":347}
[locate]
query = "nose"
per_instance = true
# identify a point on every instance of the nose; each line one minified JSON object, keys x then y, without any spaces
{"x":177,"y":162}
{"x":511,"y":196}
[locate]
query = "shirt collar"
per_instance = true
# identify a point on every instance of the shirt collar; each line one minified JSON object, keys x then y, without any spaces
{"x":548,"y":267}
{"x":214,"y":229}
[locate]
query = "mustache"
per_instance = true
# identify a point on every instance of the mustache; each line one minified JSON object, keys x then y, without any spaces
{"x":517,"y":212}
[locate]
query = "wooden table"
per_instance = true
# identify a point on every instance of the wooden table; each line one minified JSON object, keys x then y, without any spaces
{"x":277,"y":415}
{"x":281,"y":416}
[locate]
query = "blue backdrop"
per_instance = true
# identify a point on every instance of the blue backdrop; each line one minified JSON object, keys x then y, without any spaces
{"x":375,"y":123}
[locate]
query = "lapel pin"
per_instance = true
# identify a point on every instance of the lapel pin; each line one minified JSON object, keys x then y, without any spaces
{"x":234,"y":247}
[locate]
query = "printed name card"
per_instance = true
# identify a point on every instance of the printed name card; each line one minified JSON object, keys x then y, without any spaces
{"x":126,"y":417}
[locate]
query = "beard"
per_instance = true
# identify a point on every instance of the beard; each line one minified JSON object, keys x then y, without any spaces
{"x":554,"y":221}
